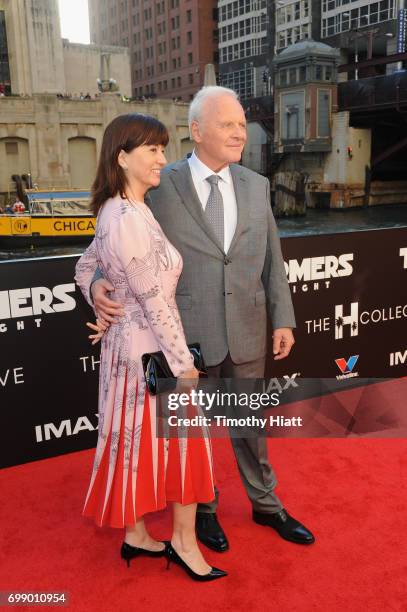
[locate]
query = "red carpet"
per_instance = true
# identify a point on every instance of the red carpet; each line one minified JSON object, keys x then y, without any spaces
{"x":349,"y":492}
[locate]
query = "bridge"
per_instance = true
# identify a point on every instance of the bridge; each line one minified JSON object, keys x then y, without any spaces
{"x":379,"y":103}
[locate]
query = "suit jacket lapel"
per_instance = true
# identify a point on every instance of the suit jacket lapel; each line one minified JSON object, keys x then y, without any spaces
{"x":242,"y":200}
{"x":182,"y":179}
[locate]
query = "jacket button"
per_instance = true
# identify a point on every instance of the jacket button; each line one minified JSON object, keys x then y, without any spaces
{"x":227,"y":261}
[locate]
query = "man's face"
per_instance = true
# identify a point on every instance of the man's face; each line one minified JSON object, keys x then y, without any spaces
{"x":220,"y":134}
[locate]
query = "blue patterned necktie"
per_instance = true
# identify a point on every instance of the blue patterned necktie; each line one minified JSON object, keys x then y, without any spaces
{"x":214,"y":209}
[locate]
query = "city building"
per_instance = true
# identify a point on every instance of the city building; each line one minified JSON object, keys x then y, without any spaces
{"x":359,"y":28}
{"x":35,"y":59}
{"x":58,"y":141}
{"x":245,"y":46}
{"x":47,"y":133}
{"x":170,"y":41}
{"x":294,"y":21}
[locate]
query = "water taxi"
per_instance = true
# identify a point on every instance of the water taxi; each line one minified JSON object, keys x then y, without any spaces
{"x":53,"y":217}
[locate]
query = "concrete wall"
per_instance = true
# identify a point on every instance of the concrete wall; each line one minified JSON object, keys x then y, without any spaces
{"x":339,"y":167}
{"x":252,"y":154}
{"x":44,"y":46}
{"x":34,"y":45}
{"x":48,"y":124}
{"x":42,"y":62}
{"x":88,"y":57}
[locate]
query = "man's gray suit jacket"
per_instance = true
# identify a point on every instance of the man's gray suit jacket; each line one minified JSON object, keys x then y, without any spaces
{"x":224,"y":298}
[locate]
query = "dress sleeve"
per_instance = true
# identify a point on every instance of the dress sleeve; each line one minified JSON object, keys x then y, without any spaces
{"x":86,"y":270}
{"x":139,"y":260}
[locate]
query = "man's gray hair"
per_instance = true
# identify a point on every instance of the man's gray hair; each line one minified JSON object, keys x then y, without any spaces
{"x":211,"y":91}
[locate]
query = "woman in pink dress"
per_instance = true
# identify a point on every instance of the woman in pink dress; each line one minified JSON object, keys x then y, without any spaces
{"x":136,"y":472}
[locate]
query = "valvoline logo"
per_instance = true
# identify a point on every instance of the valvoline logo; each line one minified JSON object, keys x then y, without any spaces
{"x":346,"y":367}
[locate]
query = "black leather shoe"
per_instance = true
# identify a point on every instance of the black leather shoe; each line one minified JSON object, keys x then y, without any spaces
{"x":285,"y":525}
{"x":129,"y":552}
{"x":173,"y":556}
{"x":210,"y":533}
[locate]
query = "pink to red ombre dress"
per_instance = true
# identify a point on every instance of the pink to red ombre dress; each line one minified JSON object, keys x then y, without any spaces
{"x":134,"y":471}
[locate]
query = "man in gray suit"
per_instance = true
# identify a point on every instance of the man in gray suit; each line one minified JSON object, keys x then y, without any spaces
{"x":218,"y":215}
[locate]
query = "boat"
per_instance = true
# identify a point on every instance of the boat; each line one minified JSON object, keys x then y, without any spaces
{"x":51,"y":218}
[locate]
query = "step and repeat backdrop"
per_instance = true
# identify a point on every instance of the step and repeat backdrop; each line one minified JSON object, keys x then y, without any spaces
{"x":350,"y":298}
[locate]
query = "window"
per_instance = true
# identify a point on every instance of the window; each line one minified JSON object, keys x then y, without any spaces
{"x":241,"y":81}
{"x":324,"y":130}
{"x":11,"y":148}
{"x":292,"y":116}
{"x":297,"y":11}
{"x":189,"y":38}
{"x":357,"y":17}
{"x":4,"y":56}
{"x":189,"y":16}
{"x":190,"y":58}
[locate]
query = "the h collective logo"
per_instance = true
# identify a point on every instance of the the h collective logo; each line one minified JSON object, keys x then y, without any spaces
{"x":346,"y":367}
{"x":341,"y":320}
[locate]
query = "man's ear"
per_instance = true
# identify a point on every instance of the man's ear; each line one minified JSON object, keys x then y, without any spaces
{"x":195,"y":132}
{"x":121,"y":160}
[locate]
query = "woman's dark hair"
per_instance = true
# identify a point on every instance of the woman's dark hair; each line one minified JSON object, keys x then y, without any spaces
{"x":125,"y":132}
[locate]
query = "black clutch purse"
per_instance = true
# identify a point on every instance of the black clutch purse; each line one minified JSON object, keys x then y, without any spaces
{"x":158,"y":374}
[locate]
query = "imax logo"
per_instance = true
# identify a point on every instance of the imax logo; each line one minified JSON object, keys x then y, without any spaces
{"x":51,"y":430}
{"x":32,"y":301}
{"x":398,"y":358}
{"x":319,"y":268}
{"x":274,"y":384}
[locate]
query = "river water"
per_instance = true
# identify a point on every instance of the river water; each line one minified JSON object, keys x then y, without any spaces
{"x":313,"y":223}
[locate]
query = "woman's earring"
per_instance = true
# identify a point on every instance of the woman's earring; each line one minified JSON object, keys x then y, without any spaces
{"x":125,"y":168}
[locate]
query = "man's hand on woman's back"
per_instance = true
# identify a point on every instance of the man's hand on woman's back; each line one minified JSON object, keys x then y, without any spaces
{"x":107,"y":309}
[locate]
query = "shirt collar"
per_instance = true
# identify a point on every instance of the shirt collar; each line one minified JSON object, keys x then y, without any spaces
{"x":202,"y":171}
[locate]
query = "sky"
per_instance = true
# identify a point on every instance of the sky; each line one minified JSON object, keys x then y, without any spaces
{"x":74,"y":20}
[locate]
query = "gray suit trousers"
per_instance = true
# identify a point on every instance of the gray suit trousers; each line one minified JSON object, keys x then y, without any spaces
{"x":257,"y":475}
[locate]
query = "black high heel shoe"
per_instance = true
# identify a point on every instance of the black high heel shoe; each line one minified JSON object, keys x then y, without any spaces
{"x":173,"y":556}
{"x":129,"y":552}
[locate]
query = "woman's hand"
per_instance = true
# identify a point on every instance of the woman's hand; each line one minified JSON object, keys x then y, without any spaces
{"x":99,"y":328}
{"x":187,"y":381}
{"x":190,"y":374}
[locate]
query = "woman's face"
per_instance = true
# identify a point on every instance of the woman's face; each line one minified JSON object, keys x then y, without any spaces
{"x":144,"y":165}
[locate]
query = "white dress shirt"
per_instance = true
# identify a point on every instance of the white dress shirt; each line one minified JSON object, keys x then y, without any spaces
{"x":200,"y":173}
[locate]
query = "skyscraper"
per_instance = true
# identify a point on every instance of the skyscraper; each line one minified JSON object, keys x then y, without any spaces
{"x":361,"y":28}
{"x":170,"y":41}
{"x":245,"y":45}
